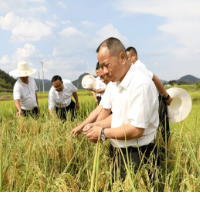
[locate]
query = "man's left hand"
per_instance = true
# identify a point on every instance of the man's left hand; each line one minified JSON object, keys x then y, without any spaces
{"x":38,"y":110}
{"x":93,"y":133}
{"x":168,"y":101}
{"x":77,"y":106}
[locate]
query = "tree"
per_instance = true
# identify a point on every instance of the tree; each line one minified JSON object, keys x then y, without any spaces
{"x":198,"y":84}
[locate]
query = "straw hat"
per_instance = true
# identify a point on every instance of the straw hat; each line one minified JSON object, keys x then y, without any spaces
{"x":22,"y":70}
{"x":89,"y":81}
{"x":180,"y":106}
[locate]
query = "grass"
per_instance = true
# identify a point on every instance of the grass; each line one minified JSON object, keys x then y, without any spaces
{"x":41,"y":155}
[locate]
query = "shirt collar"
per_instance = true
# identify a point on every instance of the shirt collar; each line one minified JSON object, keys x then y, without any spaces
{"x":127,"y":79}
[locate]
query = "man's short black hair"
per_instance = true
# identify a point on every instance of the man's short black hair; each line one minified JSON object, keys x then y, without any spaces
{"x":114,"y":46}
{"x":97,"y":66}
{"x":132,"y":49}
{"x":55,"y":78}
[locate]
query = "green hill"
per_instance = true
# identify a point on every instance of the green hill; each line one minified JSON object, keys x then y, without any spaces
{"x":6,"y":82}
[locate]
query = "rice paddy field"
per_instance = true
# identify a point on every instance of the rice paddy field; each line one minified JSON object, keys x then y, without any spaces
{"x":40,"y":155}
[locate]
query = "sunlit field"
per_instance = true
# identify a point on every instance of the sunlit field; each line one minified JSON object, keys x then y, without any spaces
{"x":41,"y":155}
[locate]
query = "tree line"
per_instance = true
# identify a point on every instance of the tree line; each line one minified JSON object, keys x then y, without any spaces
{"x":6,"y":81}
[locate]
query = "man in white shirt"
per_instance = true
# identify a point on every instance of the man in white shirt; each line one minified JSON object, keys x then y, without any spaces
{"x":24,"y":92}
{"x":100,"y":86}
{"x":164,"y":98}
{"x":95,"y":95}
{"x":134,"y":121}
{"x":60,"y":97}
{"x":95,"y":113}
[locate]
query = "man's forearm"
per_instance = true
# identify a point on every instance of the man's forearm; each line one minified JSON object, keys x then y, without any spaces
{"x":100,"y":90}
{"x":93,"y":116}
{"x":17,"y":104}
{"x":36,"y":98}
{"x":106,"y":123}
{"x":126,"y":131}
{"x":75,"y":96}
{"x":159,"y":86}
{"x":103,"y":114}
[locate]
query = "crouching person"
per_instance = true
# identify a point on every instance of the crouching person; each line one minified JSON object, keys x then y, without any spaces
{"x":24,"y":92}
{"x":60,"y":98}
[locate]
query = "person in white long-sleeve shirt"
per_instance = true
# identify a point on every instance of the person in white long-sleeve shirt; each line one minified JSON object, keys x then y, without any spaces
{"x":60,"y":98}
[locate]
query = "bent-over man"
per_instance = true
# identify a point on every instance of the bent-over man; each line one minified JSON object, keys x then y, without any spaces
{"x":60,"y":97}
{"x":24,"y":92}
{"x":134,"y":100}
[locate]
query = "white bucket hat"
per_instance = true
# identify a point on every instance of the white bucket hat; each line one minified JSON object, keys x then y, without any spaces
{"x":22,"y":70}
{"x":180,"y":106}
{"x":89,"y":81}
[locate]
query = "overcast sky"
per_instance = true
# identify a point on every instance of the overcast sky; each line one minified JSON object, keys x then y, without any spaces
{"x":66,"y":34}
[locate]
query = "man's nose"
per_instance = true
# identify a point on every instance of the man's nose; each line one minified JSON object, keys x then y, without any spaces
{"x":105,"y":70}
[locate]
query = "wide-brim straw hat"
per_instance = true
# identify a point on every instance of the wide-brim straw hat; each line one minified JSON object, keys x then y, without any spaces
{"x":22,"y":70}
{"x":89,"y":81}
{"x":180,"y":106}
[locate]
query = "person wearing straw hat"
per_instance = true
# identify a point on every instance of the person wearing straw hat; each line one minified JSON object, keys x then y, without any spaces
{"x":133,"y":125}
{"x":24,"y":92}
{"x":60,"y":97}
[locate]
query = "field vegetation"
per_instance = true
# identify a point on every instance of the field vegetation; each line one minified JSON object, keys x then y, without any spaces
{"x":41,"y":155}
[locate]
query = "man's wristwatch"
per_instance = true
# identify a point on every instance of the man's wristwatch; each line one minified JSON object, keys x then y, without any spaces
{"x":167,"y":97}
{"x":102,"y":135}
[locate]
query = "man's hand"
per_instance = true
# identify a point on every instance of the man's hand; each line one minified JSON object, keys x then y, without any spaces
{"x":38,"y":109}
{"x":168,"y":101}
{"x":77,"y":106}
{"x":76,"y":131}
{"x":93,"y":134}
{"x":88,"y":127}
{"x":19,"y":113}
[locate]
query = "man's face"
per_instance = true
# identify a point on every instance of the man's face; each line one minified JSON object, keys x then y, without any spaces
{"x":58,"y":85}
{"x":131,"y":56}
{"x":110,"y":64}
{"x":104,"y":76}
{"x":24,"y":79}
{"x":97,"y":72}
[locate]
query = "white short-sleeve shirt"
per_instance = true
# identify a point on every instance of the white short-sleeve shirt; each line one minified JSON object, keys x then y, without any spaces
{"x":141,"y":66}
{"x":100,"y":85}
{"x":61,"y":99}
{"x":134,"y":101}
{"x":26,"y":93}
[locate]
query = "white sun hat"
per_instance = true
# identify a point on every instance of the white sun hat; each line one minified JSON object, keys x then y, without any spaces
{"x":22,"y":70}
{"x":180,"y":106}
{"x":89,"y":81}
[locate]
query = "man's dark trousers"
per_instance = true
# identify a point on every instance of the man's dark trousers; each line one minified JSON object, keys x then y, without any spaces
{"x":137,"y":156}
{"x":62,"y":112}
{"x":32,"y":113}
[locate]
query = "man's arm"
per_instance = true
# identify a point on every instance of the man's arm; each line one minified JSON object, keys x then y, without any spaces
{"x":91,"y":118}
{"x":161,"y":89}
{"x":76,"y":99}
{"x":103,"y":114}
{"x":95,"y":97}
{"x":18,"y":106}
{"x":126,"y":131}
{"x":37,"y":102}
{"x":51,"y":102}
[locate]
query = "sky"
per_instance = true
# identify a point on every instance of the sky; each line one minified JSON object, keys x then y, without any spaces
{"x":66,"y":34}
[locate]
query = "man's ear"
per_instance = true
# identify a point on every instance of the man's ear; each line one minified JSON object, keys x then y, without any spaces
{"x":123,"y":57}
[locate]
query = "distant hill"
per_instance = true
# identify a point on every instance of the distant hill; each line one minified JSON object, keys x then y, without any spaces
{"x":189,"y":79}
{"x":6,"y":82}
